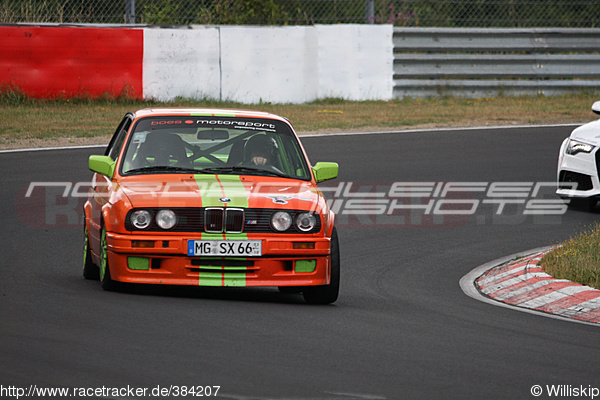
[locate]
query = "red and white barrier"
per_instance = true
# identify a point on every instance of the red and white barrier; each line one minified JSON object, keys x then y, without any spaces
{"x":292,"y":64}
{"x":66,"y":62}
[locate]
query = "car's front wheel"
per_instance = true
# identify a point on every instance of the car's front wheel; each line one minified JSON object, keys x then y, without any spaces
{"x":105,"y":279}
{"x":90,"y":270}
{"x":327,"y":294}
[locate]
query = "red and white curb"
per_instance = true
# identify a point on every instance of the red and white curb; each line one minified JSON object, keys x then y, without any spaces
{"x":518,"y":282}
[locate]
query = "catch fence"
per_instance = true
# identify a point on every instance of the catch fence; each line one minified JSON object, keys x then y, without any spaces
{"x":408,"y":13}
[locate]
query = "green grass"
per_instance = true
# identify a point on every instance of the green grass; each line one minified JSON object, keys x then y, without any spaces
{"x":28,"y":122}
{"x":577,"y":260}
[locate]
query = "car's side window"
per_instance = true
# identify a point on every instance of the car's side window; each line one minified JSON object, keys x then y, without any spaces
{"x":114,"y":147}
{"x":294,"y":158}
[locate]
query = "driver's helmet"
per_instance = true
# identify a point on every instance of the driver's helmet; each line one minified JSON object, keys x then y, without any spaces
{"x":260,"y":146}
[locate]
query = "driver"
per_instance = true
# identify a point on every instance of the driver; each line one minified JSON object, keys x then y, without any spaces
{"x":260,"y":150}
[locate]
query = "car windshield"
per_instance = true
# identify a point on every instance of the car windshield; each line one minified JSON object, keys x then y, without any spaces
{"x":214,"y":145}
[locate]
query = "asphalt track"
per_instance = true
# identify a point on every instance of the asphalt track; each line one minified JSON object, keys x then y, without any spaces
{"x":401,"y":329}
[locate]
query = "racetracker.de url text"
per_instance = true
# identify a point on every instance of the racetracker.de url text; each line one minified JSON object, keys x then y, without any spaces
{"x":128,"y":391}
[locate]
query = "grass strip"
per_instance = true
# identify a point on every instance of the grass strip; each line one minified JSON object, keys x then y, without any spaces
{"x":577,"y":260}
{"x":29,"y":122}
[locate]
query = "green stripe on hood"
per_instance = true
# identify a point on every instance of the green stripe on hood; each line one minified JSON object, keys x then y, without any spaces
{"x":234,"y":189}
{"x":215,"y":187}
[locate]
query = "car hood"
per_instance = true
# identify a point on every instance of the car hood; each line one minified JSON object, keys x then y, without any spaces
{"x":588,"y":133}
{"x":221,"y":190}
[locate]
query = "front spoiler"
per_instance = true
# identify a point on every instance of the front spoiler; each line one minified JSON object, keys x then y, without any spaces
{"x":168,"y":263}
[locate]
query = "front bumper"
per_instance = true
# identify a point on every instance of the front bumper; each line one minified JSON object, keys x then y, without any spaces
{"x":577,"y":175}
{"x":168,"y":263}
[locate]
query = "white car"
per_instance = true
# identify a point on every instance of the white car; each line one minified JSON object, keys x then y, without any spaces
{"x":579,"y":163}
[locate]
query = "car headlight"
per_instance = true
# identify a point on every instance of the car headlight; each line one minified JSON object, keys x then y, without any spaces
{"x":141,"y":219}
{"x":575,"y":147}
{"x":306,"y":222}
{"x":166,"y":219}
{"x":281,"y":221}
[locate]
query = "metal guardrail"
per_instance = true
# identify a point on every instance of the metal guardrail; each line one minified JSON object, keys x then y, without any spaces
{"x":480,"y":62}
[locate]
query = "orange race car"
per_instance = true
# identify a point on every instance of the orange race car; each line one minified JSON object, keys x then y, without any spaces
{"x":210,"y":198}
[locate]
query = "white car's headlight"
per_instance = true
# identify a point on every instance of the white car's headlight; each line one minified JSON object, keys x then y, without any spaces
{"x":166,"y":219}
{"x":575,"y":147}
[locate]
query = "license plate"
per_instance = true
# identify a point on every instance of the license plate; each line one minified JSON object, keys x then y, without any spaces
{"x":225,"y":248}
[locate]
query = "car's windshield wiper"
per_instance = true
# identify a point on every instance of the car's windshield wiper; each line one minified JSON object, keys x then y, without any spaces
{"x":161,"y":168}
{"x":241,"y":170}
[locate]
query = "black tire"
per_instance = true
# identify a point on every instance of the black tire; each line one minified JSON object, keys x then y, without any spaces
{"x":327,"y":294}
{"x":583,"y":203}
{"x":90,"y":270}
{"x":105,"y":280}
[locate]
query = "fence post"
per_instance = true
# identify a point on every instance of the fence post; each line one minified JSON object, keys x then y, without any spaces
{"x":130,"y":12}
{"x":370,"y":11}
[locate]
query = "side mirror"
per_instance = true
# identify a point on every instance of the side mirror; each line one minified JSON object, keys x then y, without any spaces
{"x":103,"y":165}
{"x":596,"y":107}
{"x":324,"y":171}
